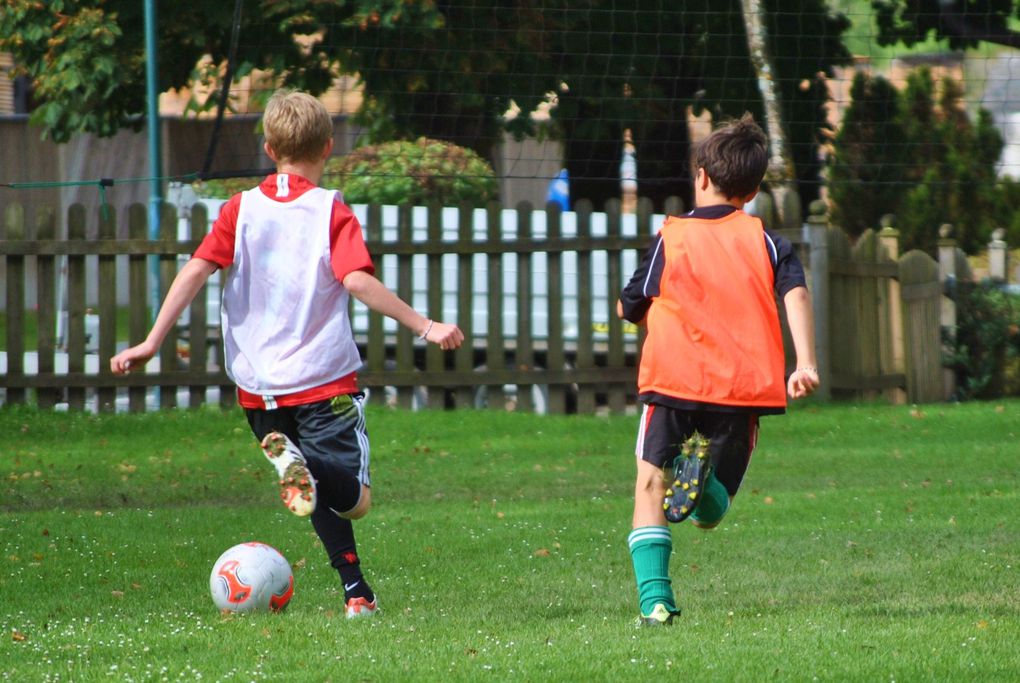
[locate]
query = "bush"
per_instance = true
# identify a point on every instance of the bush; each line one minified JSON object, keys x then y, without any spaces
{"x":919,"y":155}
{"x":399,"y":172}
{"x":417,"y":173}
{"x":224,"y":188}
{"x":985,"y":351}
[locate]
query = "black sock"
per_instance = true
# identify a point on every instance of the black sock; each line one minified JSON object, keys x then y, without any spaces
{"x":355,"y":585}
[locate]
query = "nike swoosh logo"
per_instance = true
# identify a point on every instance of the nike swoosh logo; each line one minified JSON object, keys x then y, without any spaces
{"x":352,"y":586}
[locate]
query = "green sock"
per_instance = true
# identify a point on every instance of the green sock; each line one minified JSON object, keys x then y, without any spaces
{"x":715,"y":501}
{"x":650,"y":548}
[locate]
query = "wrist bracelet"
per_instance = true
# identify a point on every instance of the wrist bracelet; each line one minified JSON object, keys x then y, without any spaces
{"x":808,"y":367}
{"x":428,"y":328}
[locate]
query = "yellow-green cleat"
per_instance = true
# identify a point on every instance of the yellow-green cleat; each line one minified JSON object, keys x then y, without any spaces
{"x":690,"y":471}
{"x":660,"y":616}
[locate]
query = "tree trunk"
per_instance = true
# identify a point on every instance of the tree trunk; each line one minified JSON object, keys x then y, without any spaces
{"x":780,"y":176}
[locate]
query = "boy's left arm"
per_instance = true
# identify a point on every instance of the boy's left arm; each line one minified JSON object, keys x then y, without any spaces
{"x":377,"y":296}
{"x":800,"y":318}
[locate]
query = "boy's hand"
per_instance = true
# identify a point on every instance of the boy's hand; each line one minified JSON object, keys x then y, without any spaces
{"x":445,"y":335}
{"x":129,"y":359}
{"x":802,"y":382}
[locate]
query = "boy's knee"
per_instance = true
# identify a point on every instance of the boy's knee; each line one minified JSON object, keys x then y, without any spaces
{"x":649,"y":480}
{"x":363,"y":506}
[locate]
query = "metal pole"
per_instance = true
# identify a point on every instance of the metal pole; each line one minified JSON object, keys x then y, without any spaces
{"x":155,"y":152}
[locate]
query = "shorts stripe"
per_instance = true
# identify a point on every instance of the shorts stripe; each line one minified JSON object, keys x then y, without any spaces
{"x":646,"y":419}
{"x":361,"y":432}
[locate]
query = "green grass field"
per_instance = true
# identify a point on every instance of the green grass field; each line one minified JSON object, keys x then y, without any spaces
{"x":869,"y":543}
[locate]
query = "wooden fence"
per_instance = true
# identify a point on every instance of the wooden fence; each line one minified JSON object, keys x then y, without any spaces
{"x":566,"y":371}
{"x":878,"y":322}
{"x":877,"y":316}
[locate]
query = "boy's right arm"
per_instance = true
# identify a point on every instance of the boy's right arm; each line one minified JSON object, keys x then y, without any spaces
{"x":184,"y":288}
{"x":800,"y":319}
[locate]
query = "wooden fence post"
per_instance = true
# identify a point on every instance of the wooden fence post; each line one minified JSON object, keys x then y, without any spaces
{"x":890,"y":240}
{"x":46,"y":296}
{"x":106,"y":397}
{"x":14,"y":229}
{"x":524,"y":354}
{"x":464,"y":357}
{"x":947,"y":276}
{"x":817,"y":228}
{"x":138,"y":312}
{"x":434,"y":359}
{"x":75,"y":331}
{"x":584,"y":358}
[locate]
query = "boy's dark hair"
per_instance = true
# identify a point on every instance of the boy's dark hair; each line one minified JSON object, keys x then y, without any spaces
{"x":735,"y":156}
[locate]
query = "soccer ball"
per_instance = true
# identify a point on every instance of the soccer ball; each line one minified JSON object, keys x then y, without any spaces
{"x":251,"y":577}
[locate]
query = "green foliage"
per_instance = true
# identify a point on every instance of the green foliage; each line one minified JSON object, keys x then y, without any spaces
{"x":224,"y":188}
{"x":451,"y":70}
{"x":417,"y":173}
{"x":918,"y":155}
{"x":396,"y":172}
{"x":962,"y":23}
{"x":984,"y":349}
{"x":864,"y":171}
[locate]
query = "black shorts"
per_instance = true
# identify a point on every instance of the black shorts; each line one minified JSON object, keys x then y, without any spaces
{"x":732,"y":438}
{"x":331,"y":431}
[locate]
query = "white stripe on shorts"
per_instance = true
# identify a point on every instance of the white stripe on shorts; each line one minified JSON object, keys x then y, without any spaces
{"x":361,"y":433}
{"x":639,"y":448}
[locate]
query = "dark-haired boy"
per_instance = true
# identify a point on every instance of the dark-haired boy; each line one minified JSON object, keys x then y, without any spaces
{"x":713,"y":360}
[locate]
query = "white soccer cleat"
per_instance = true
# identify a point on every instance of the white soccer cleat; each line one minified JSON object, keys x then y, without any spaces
{"x":359,"y":608}
{"x":297,"y":486}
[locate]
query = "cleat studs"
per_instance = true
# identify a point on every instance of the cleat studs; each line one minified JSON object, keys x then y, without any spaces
{"x":686,"y":486}
{"x":694,"y":481}
{"x":693,"y":495}
{"x":683,"y":510}
{"x":665,"y":506}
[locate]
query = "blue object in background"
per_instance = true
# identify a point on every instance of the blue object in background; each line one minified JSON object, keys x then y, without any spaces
{"x":559,"y":190}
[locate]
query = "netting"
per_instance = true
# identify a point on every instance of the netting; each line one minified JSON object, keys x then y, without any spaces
{"x":903,"y":107}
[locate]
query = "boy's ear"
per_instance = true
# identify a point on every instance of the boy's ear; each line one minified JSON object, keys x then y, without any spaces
{"x":327,"y":149}
{"x":701,"y":180}
{"x":269,"y":152}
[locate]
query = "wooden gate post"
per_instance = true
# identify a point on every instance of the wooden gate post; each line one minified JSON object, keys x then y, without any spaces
{"x":890,"y":239}
{"x":817,"y":229}
{"x":947,"y":276}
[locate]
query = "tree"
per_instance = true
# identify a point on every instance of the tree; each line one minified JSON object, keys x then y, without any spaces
{"x":963,"y":23}
{"x":450,"y":70}
{"x":660,"y":62}
{"x":866,"y":166}
{"x":86,"y":58}
{"x":953,"y":167}
{"x":918,"y":155}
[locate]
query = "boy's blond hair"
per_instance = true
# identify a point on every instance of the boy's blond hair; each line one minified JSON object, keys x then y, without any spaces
{"x":296,"y":126}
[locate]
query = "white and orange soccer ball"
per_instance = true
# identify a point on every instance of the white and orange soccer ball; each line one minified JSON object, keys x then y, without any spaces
{"x":251,"y":577}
